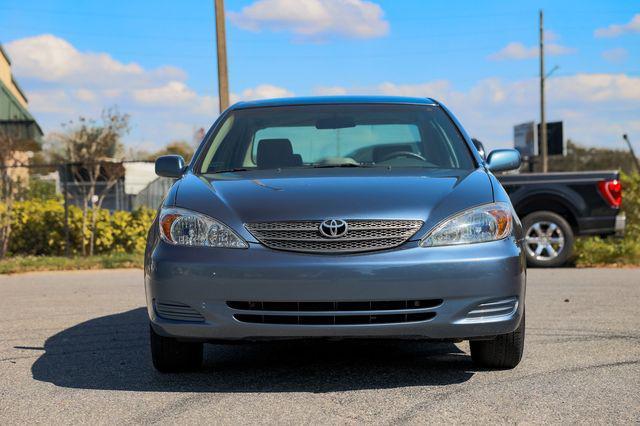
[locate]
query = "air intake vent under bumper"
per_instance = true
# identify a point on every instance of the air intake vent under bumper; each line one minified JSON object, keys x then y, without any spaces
{"x":177,"y":311}
{"x":335,"y":313}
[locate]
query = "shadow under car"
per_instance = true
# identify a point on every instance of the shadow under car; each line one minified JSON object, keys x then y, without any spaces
{"x":112,"y":353}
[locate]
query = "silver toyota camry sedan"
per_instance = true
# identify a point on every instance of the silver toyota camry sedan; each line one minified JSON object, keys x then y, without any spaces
{"x":336,"y":217}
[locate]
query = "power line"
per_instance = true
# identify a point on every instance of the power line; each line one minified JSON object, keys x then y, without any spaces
{"x":431,"y":16}
{"x":108,"y":15}
{"x":259,"y":40}
{"x":357,"y":56}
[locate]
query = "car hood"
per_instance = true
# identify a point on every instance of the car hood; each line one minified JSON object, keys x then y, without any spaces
{"x":318,"y":194}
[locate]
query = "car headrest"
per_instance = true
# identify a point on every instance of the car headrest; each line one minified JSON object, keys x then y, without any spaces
{"x":275,"y":153}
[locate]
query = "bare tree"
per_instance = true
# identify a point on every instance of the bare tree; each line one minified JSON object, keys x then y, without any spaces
{"x":91,"y":148}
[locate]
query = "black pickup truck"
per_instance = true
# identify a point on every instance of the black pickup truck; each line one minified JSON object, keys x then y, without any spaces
{"x":555,"y":207}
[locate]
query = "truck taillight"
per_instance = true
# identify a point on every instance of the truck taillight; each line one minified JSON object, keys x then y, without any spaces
{"x":611,"y":190}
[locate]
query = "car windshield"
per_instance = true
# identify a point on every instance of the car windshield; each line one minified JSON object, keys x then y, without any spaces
{"x":319,"y":136}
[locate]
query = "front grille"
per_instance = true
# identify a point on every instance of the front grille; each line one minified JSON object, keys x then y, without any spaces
{"x":374,"y":305}
{"x":177,"y":311}
{"x":335,"y":313}
{"x":361,"y":235}
{"x":335,"y":320}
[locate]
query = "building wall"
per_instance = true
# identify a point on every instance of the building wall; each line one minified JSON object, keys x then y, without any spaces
{"x":15,"y":118}
{"x":20,"y":175}
{"x":7,"y":80}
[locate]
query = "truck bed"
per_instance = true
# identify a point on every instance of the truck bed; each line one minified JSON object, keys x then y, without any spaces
{"x":574,"y":195}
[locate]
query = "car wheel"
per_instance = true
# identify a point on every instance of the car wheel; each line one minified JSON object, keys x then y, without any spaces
{"x":170,"y":355}
{"x":505,"y":351}
{"x":548,"y":239}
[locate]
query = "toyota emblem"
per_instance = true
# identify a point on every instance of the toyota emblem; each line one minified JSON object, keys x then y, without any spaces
{"x":333,"y":228}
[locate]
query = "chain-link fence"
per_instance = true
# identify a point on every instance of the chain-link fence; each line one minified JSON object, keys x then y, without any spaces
{"x":152,"y":194}
{"x":120,"y":186}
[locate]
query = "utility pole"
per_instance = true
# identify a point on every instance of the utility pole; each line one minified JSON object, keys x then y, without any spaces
{"x":221,"y":45}
{"x":542,"y":137}
{"x":633,"y":154}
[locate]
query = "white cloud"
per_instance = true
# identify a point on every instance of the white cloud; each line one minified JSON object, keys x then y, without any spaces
{"x":421,"y":89}
{"x":518,"y":51}
{"x":329,"y":91}
{"x":63,"y":83}
{"x":596,"y":108}
{"x":85,"y":95}
{"x":172,"y":93}
{"x":550,"y":36}
{"x":314,"y":19}
{"x":263,"y":91}
{"x":52,"y":59}
{"x":50,"y":101}
{"x":596,"y":88}
{"x":615,"y":30}
{"x":615,"y":55}
{"x":206,"y":105}
{"x":515,"y":50}
{"x":558,"y":50}
{"x":111,"y":93}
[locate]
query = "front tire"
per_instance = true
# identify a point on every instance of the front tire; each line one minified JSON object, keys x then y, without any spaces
{"x":170,"y":355}
{"x":503,"y":352}
{"x":548,"y":239}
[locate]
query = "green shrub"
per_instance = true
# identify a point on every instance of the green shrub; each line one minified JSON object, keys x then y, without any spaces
{"x":593,"y":251}
{"x":129,"y":230}
{"x":38,"y":229}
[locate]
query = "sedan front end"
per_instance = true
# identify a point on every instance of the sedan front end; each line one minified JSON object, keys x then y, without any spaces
{"x":388,"y":239}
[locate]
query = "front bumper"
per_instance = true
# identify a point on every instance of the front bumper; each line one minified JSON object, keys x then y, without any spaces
{"x":468,"y":279}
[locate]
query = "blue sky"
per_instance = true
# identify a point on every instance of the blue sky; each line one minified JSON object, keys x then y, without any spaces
{"x":156,"y":60}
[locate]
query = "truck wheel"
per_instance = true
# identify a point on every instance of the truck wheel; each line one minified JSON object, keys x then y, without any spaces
{"x":548,"y":239}
{"x":169,"y":355}
{"x":505,"y":351}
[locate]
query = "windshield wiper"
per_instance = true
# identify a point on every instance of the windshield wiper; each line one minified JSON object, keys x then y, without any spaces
{"x":326,"y":166}
{"x":234,"y":169}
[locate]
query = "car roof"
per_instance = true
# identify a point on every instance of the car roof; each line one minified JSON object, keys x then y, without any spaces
{"x":327,"y":100}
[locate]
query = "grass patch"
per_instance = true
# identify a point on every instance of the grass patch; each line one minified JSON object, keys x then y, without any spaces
{"x":17,"y":264}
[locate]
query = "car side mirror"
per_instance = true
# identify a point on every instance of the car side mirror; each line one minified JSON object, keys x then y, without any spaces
{"x":502,"y":160}
{"x":171,"y":166}
{"x":480,"y":147}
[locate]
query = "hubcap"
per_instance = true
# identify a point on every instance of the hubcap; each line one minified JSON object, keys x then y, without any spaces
{"x":544,"y":240}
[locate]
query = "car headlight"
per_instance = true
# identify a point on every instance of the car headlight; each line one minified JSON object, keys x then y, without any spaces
{"x":189,"y":228}
{"x":489,"y":222}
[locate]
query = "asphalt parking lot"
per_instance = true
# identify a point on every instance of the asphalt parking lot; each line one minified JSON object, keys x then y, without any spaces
{"x":74,"y":349}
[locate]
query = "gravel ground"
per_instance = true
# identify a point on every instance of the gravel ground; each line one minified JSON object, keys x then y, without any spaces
{"x":74,"y":349}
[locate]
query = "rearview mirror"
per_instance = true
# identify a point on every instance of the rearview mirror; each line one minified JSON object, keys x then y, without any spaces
{"x":171,"y":166}
{"x":335,"y":123}
{"x":502,"y":160}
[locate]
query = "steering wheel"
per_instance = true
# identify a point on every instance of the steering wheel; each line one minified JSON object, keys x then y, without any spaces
{"x":403,"y":154}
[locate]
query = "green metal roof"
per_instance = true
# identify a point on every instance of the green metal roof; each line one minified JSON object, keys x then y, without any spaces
{"x":17,"y":121}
